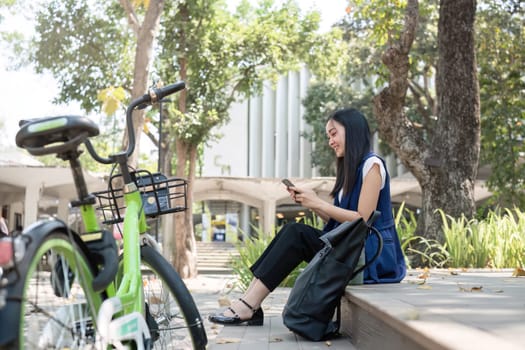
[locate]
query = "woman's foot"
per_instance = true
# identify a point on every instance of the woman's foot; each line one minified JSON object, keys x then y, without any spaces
{"x":245,"y":314}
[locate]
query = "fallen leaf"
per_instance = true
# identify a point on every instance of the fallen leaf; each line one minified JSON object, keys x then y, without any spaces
{"x":155,"y":300}
{"x":411,"y":315}
{"x":224,"y":301}
{"x":518,"y":272}
{"x":424,"y":275}
{"x":416,"y":281}
{"x":276,"y":340}
{"x":470,"y":289}
{"x":424,"y":286}
{"x":227,"y":340}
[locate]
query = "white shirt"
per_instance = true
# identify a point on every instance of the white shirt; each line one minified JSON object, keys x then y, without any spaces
{"x":368,"y":165}
{"x":366,"y":169}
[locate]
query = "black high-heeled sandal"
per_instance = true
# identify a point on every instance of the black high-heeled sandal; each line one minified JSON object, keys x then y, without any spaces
{"x":257,"y":318}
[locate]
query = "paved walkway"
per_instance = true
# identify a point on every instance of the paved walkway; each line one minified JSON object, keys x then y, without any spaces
{"x":211,"y":292}
{"x":458,"y":309}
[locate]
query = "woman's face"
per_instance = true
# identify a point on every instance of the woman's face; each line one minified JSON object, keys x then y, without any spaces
{"x":336,"y":137}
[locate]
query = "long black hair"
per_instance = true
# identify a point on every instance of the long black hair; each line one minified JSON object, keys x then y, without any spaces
{"x":357,"y":145}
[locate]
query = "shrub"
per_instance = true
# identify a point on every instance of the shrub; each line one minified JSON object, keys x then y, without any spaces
{"x":250,"y":251}
{"x":497,"y":241}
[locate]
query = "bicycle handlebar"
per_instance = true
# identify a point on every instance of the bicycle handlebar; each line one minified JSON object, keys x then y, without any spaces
{"x":151,"y":97}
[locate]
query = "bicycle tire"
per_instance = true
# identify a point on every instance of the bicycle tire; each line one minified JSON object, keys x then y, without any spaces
{"x":182,"y":326}
{"x":57,"y":304}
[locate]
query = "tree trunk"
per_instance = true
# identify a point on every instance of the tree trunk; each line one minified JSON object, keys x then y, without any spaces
{"x":184,"y":257}
{"x":146,"y":33}
{"x":457,"y":143}
{"x":445,"y":165}
{"x":184,"y":253}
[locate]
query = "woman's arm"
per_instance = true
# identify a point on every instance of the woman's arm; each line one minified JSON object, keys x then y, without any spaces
{"x":368,"y":199}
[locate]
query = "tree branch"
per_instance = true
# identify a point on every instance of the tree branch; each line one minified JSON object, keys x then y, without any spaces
{"x":394,"y":126}
{"x":133,"y":20}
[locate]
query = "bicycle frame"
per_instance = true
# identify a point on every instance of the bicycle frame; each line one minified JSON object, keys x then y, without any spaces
{"x":128,"y":290}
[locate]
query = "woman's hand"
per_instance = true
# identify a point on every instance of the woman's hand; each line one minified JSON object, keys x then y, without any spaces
{"x":306,"y":197}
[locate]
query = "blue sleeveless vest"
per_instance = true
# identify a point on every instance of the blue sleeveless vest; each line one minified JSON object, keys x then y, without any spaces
{"x":390,"y":266}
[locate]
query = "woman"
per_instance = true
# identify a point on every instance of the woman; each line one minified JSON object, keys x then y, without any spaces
{"x":361,"y":187}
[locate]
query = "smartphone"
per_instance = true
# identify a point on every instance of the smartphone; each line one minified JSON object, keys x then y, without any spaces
{"x":287,"y":183}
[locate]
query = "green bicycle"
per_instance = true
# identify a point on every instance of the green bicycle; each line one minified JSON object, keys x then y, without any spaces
{"x":66,"y":290}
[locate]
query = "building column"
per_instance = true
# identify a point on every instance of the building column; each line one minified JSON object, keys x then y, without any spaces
{"x":294,"y":103}
{"x":32,"y":197}
{"x":268,"y":216}
{"x":281,"y":128}
{"x":268,"y":131}
{"x":255,"y":137}
{"x":305,"y":147}
{"x":244,"y":221}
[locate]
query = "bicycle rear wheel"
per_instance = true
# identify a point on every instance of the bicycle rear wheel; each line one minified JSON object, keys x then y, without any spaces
{"x":173,"y":318}
{"x":58,"y":304}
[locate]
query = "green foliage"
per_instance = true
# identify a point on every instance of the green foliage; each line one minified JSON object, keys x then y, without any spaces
{"x":252,"y":249}
{"x":85,"y":45}
{"x":406,"y":223}
{"x":225,"y":57}
{"x":367,"y":29}
{"x":500,"y":59}
{"x":111,"y":98}
{"x":5,"y":4}
{"x":372,"y":24}
{"x":430,"y":252}
{"x":497,"y":241}
{"x":249,"y":252}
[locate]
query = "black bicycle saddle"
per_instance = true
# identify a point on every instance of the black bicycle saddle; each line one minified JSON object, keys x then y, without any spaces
{"x":54,"y":134}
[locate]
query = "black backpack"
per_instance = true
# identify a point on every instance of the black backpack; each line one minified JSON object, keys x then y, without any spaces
{"x":318,"y":289}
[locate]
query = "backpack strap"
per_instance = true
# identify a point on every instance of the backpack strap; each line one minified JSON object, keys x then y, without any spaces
{"x":338,"y":317}
{"x":376,"y":255}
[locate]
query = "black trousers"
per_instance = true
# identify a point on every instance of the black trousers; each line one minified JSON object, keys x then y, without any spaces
{"x":293,"y":244}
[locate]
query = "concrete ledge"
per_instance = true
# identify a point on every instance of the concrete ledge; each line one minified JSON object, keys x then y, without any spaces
{"x":439,"y":309}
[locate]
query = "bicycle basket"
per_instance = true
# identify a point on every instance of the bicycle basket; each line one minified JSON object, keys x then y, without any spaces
{"x":160,"y":195}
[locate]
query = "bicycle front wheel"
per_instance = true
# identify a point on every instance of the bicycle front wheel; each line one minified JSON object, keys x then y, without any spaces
{"x":173,"y":319}
{"x":57,"y":304}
